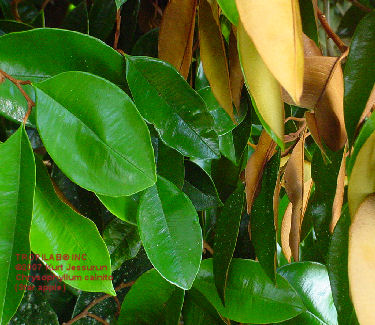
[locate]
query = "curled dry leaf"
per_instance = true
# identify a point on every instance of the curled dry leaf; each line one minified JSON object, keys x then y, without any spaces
{"x":275,"y":28}
{"x":176,"y":34}
{"x":255,"y":166}
{"x":313,"y":128}
{"x":310,"y":48}
{"x":213,"y":57}
{"x":362,"y":178}
{"x":361,"y":261}
{"x":235,"y":72}
{"x":294,"y":176}
{"x":339,"y":196}
{"x":287,"y":220}
{"x":262,"y":86}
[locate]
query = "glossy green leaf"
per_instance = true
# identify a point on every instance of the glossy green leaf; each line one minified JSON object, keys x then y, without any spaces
{"x":223,"y":122}
{"x":350,"y":21}
{"x":263,"y":231}
{"x":34,"y":309}
{"x":96,"y":136}
{"x":359,"y":73}
{"x":147,"y":44}
{"x":319,"y":208}
{"x":198,"y":311}
{"x":337,"y":265}
{"x":170,"y":233}
{"x":17,"y":183}
{"x":178,"y":113}
{"x":57,"y":229}
{"x":11,"y":26}
{"x":226,"y":232}
{"x":123,"y":207}
{"x":309,"y":24}
{"x":200,"y":188}
{"x":367,"y":129}
{"x":102,"y":18}
{"x":311,"y":282}
{"x":119,"y":3}
{"x":151,"y":301}
{"x":230,"y":10}
{"x":251,"y":297}
{"x":77,"y":19}
{"x":54,"y":51}
{"x":122,"y":241}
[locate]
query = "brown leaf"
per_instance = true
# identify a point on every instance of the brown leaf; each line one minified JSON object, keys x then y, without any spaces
{"x":313,"y":128}
{"x":294,"y":176}
{"x":213,"y":57}
{"x":310,"y":48}
{"x":287,"y":220}
{"x":339,"y":196}
{"x":235,"y":72}
{"x":255,"y":166}
{"x":177,"y":33}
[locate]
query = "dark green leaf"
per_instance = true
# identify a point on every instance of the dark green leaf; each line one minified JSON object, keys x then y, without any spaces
{"x":337,"y":265}
{"x":251,"y":297}
{"x":309,"y":25}
{"x":178,"y":113}
{"x":96,"y":136}
{"x":11,"y":26}
{"x":359,"y":73}
{"x":350,"y":21}
{"x":262,"y":220}
{"x":170,"y":232}
{"x":79,"y":236}
{"x":53,"y":51}
{"x":226,"y":232}
{"x":34,"y":309}
{"x":123,"y":207}
{"x":199,"y":187}
{"x":77,"y":19}
{"x":311,"y":282}
{"x":152,"y":300}
{"x":122,"y":241}
{"x":17,"y":183}
{"x":129,"y":23}
{"x":147,"y":44}
{"x":102,"y":18}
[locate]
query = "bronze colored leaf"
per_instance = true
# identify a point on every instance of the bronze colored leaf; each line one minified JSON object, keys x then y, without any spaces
{"x":362,"y":178}
{"x":313,"y":128}
{"x":276,"y":30}
{"x":361,"y":261}
{"x":176,"y":34}
{"x":235,"y":72}
{"x":213,"y":57}
{"x":255,"y":166}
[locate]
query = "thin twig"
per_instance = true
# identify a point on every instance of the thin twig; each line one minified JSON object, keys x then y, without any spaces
{"x":14,"y":6}
{"x":44,"y":4}
{"x":330,"y":33}
{"x":360,"y":5}
{"x":99,"y":319}
{"x":19,"y":84}
{"x":207,"y":247}
{"x":293,"y":136}
{"x":293,"y":118}
{"x":93,"y":303}
{"x":118,"y":25}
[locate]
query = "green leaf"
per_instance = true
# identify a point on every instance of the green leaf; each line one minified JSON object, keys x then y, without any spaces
{"x":102,"y":18}
{"x":147,"y":44}
{"x":251,"y":297}
{"x":77,"y":19}
{"x":319,"y":208}
{"x":309,"y":25}
{"x":230,"y":10}
{"x":122,"y":241}
{"x":337,"y":265}
{"x":359,"y":74}
{"x":53,"y":51}
{"x":152,"y":300}
{"x":11,"y":26}
{"x":34,"y":309}
{"x":367,"y":129}
{"x":263,"y":231}
{"x":17,"y":183}
{"x":119,"y":3}
{"x":178,"y":113}
{"x":198,"y":311}
{"x":350,"y":21}
{"x":311,"y":282}
{"x":226,"y":232}
{"x":170,"y":232}
{"x":200,"y":188}
{"x":96,"y":136}
{"x":79,"y":237}
{"x":123,"y":207}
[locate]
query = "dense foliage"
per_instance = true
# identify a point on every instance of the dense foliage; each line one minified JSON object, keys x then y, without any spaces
{"x":187,"y":162}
